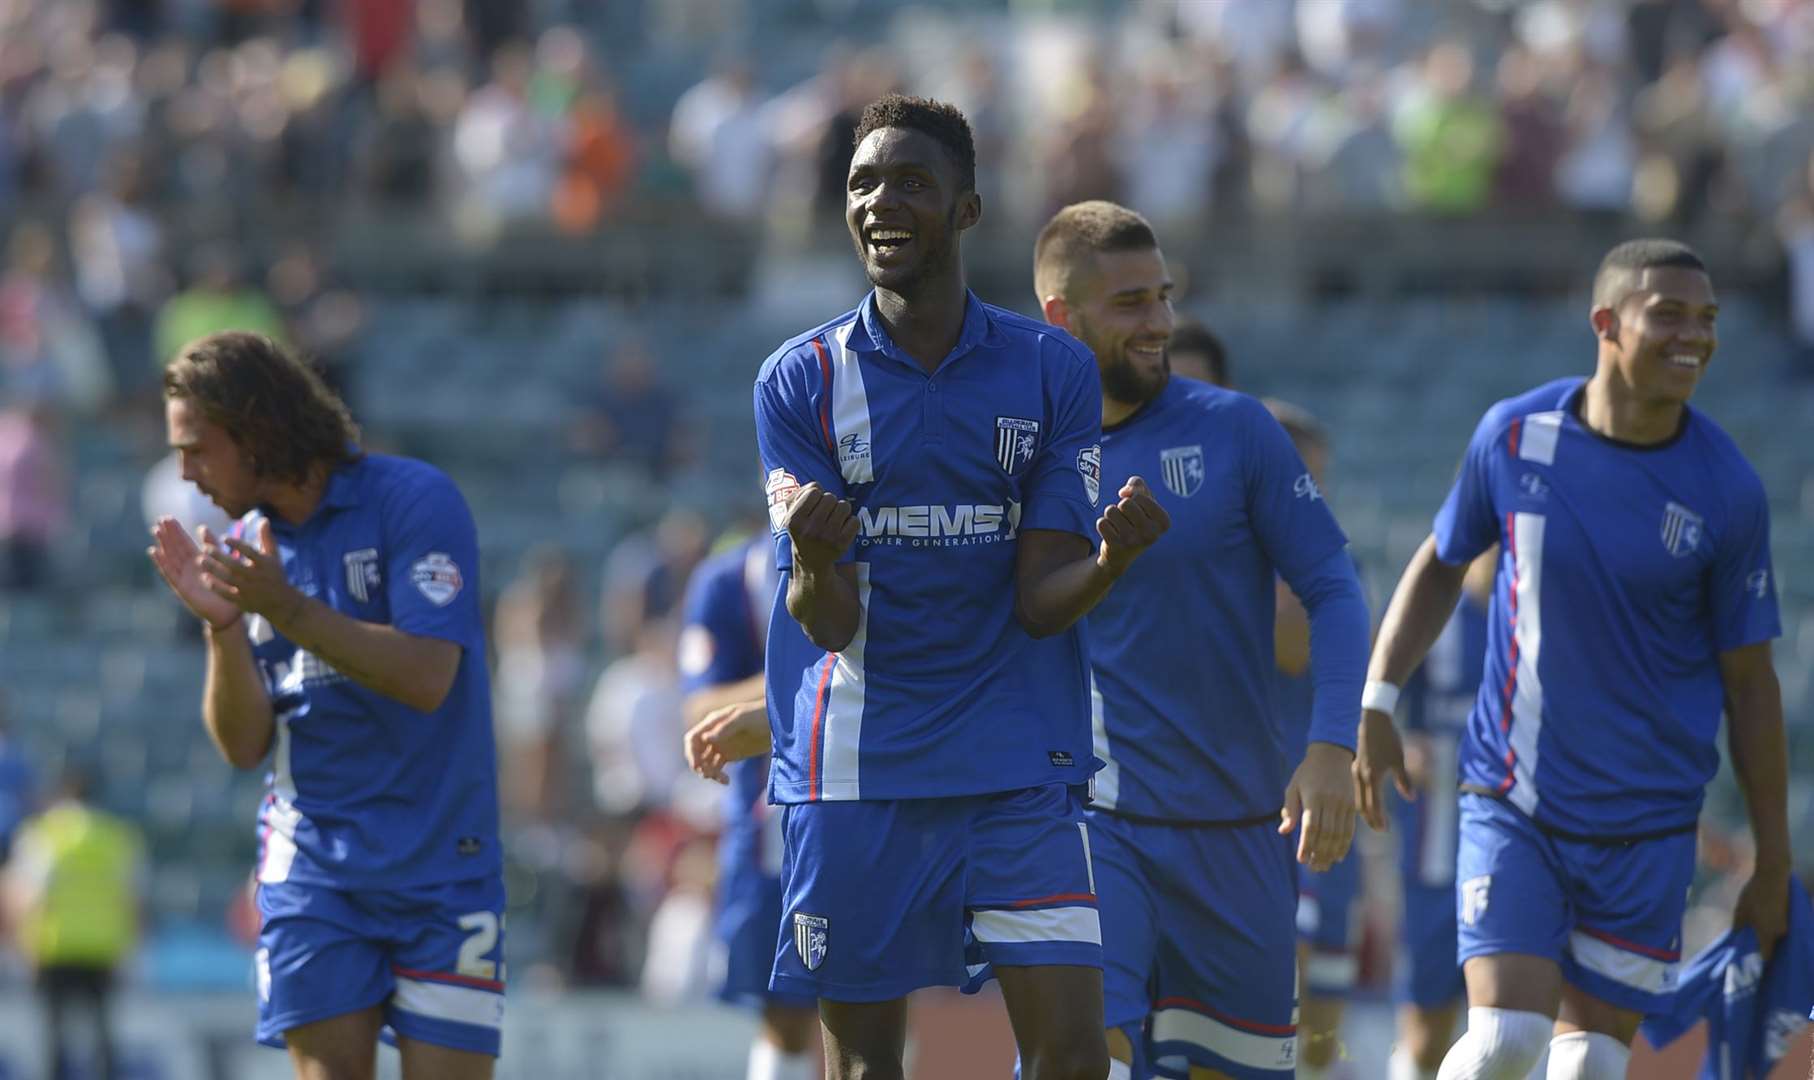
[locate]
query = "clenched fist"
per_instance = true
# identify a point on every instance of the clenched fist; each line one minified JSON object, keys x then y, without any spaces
{"x":820,"y":525}
{"x":1130,"y":526}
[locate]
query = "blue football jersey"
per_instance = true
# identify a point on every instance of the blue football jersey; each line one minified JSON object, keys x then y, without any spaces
{"x":1438,"y":698}
{"x":1625,"y":572}
{"x":366,"y":792}
{"x":1184,"y":702}
{"x":726,"y":628}
{"x":941,"y":692}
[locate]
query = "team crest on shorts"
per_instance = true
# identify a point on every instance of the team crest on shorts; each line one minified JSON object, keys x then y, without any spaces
{"x":1681,"y":529}
{"x":1015,"y":439}
{"x":1182,"y":469}
{"x":812,"y":935}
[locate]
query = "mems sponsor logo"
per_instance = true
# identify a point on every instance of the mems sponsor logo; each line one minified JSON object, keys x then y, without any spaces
{"x":938,"y":526}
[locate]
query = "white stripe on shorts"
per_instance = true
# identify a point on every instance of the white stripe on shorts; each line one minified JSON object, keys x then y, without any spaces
{"x":1042,"y":924}
{"x":1240,"y":1047}
{"x":1631,"y":969}
{"x":448,"y":1001}
{"x":1334,"y":971}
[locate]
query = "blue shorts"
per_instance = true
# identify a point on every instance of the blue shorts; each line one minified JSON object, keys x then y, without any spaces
{"x":1198,"y":933}
{"x":749,"y":909}
{"x":1326,"y":914}
{"x":882,"y":898}
{"x":1610,"y":915}
{"x":432,"y":956}
{"x":1428,"y":975}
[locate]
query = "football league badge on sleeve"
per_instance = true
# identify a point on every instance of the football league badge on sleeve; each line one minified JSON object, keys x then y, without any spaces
{"x":1089,"y":466}
{"x":437,"y":577}
{"x":811,"y":938}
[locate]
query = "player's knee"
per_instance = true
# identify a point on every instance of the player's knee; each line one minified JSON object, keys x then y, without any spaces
{"x":1077,"y":1059}
{"x":1587,"y":1055}
{"x":1500,"y":1044}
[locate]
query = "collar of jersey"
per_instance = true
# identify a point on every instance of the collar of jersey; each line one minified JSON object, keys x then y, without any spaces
{"x":342,"y":492}
{"x":869,"y":335}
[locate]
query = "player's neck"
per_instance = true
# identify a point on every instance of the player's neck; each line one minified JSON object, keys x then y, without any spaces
{"x":294,"y":503}
{"x":926,"y":321}
{"x":1114,"y":412}
{"x":1616,"y":412}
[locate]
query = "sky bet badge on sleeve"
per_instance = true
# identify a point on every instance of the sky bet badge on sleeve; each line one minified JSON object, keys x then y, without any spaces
{"x":1089,"y":466}
{"x":437,"y":577}
{"x":811,"y":934}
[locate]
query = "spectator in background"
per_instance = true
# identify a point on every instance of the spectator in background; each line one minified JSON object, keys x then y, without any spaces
{"x":1451,"y":138}
{"x":1596,"y":170}
{"x":34,"y":495}
{"x":1795,"y":226}
{"x":72,"y":888}
{"x":600,"y":162}
{"x":1079,"y":162}
{"x":401,"y":145}
{"x":18,"y":786}
{"x":117,"y":245}
{"x":1197,"y":353}
{"x":1170,"y":130}
{"x":677,"y":968}
{"x":219,"y":297}
{"x":633,"y":725}
{"x":540,"y":634}
{"x":1524,"y":180}
{"x":631,"y":418}
{"x":507,"y":152}
{"x":720,"y":133}
{"x":48,"y":348}
{"x":646,"y":576}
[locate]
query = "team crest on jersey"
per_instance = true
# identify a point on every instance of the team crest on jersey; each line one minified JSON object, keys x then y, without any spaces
{"x":812,"y":934}
{"x":1089,"y":466}
{"x":362,"y":578}
{"x":437,"y":577}
{"x":1015,"y":439}
{"x":1182,"y":469}
{"x":1681,"y":530}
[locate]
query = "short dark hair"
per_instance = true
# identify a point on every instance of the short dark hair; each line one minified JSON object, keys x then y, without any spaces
{"x":1192,"y":336}
{"x":1299,"y":423}
{"x":1625,"y":264}
{"x":945,"y":123}
{"x":1086,"y":228}
{"x":273,"y":405}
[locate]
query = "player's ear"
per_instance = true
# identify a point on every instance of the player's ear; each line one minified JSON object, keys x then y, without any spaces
{"x":1606,"y":323}
{"x":969,"y":210}
{"x":1056,"y":311}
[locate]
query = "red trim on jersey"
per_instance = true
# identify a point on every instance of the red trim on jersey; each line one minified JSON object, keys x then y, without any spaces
{"x":1056,"y":898}
{"x":1668,"y":956}
{"x":1278,"y":1030}
{"x":449,"y":977}
{"x":825,"y":400}
{"x":812,"y":754}
{"x":1512,"y":434}
{"x":1511,"y":674}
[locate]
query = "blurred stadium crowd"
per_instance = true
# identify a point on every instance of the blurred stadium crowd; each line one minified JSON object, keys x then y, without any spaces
{"x":171,"y":167}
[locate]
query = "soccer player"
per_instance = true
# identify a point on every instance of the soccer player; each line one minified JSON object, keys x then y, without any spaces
{"x":932,"y":468}
{"x":1437,"y":700}
{"x":1194,"y":864}
{"x":720,"y":659}
{"x":1197,"y":353}
{"x":345,"y":643}
{"x":1634,"y":601}
{"x":1327,"y":907}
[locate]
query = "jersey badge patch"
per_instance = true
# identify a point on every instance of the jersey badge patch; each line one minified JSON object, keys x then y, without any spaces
{"x":362,"y":578}
{"x":1681,"y":530}
{"x":437,"y":577}
{"x":780,"y":487}
{"x":812,"y":936}
{"x":1182,"y":469}
{"x":1015,"y":439}
{"x":1089,"y":466}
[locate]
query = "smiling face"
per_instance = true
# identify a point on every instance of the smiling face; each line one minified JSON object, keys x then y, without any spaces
{"x":1121,"y":307}
{"x":1660,"y":337}
{"x":210,"y":459}
{"x":905,"y":207}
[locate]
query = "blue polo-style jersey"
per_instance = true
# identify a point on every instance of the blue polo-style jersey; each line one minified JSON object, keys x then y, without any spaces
{"x":1626,"y":571}
{"x":366,"y":792}
{"x":941,"y":693}
{"x":726,"y":628}
{"x":1184,"y":703}
{"x":1438,"y":698}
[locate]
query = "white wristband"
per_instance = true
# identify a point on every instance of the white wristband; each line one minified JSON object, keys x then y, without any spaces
{"x":1380,"y":695}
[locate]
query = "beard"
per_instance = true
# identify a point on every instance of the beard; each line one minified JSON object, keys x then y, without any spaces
{"x":1123,"y":382}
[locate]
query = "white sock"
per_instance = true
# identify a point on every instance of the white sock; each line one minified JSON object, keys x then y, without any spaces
{"x":1500,"y":1044}
{"x":1587,"y":1055}
{"x":1403,"y":1066}
{"x":1120,"y":1070}
{"x":767,"y":1062}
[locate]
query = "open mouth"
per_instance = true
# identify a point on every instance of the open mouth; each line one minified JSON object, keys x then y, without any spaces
{"x":1687,"y":362}
{"x":887,"y":243}
{"x":1151,"y":352}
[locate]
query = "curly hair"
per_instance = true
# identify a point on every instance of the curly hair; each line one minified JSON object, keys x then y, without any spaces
{"x":945,"y":123}
{"x":270,"y":403}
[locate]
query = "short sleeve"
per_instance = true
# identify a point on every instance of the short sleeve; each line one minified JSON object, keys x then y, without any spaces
{"x":1063,"y":485}
{"x":430,"y":548}
{"x":717,"y":640}
{"x":793,"y":441}
{"x":1288,"y":512}
{"x":1467,"y":524}
{"x":1743,"y":583}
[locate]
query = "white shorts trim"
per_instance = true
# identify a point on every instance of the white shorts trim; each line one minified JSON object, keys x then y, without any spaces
{"x":1227,"y":1042}
{"x":1042,"y":924}
{"x":448,"y":1001}
{"x":1631,"y":969}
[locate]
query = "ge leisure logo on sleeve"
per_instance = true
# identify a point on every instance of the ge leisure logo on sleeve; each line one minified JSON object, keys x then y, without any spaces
{"x":437,"y":577}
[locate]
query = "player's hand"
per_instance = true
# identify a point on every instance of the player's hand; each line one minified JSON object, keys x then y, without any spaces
{"x":1763,"y":905}
{"x":726,"y":734}
{"x":1378,"y":755}
{"x":250,"y":577}
{"x":178,"y":562}
{"x":820,"y":525}
{"x":1320,"y":797}
{"x":1130,"y":526}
